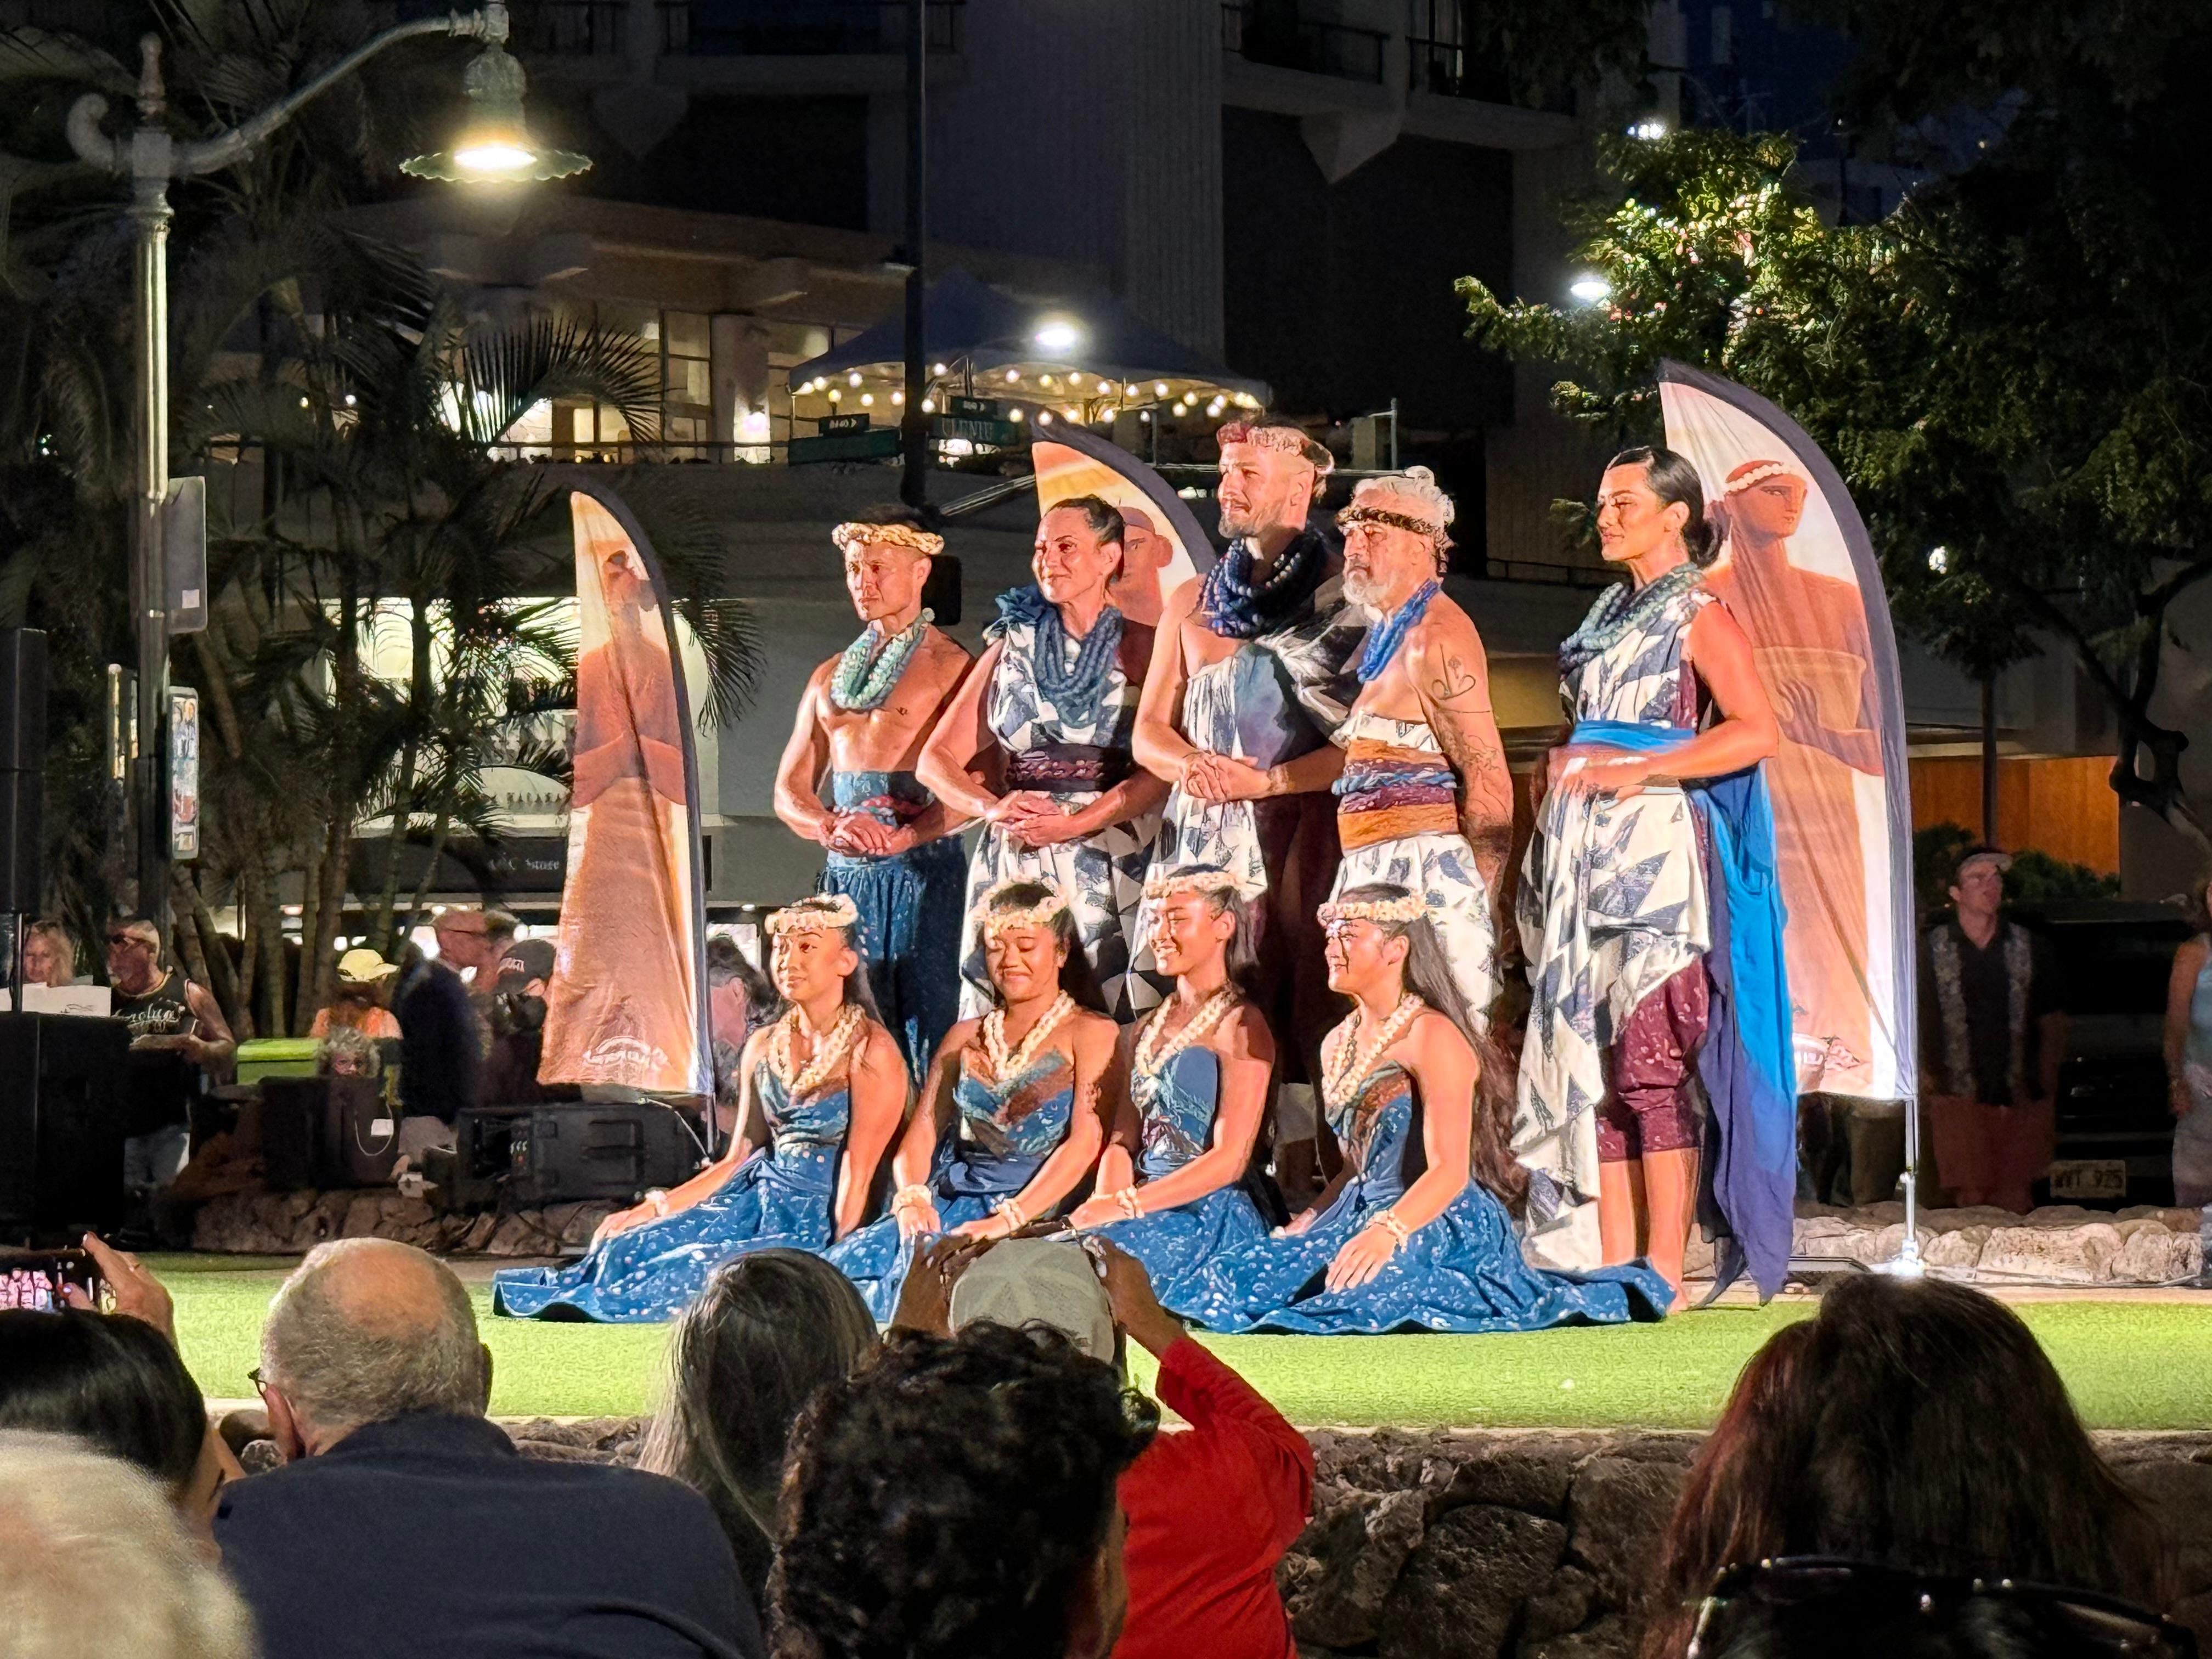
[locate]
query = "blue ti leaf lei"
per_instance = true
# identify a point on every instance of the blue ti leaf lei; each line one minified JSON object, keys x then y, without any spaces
{"x":1385,"y":639}
{"x":1074,"y":689}
{"x":865,"y":673}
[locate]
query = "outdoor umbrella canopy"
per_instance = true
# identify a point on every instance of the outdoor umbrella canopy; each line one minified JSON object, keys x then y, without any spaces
{"x":973,"y":329}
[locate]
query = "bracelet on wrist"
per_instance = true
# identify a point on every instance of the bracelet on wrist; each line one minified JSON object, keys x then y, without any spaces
{"x":909,"y":1198}
{"x":656,"y":1199}
{"x":1014,"y":1216}
{"x":1389,"y":1222}
{"x":1127,"y":1201}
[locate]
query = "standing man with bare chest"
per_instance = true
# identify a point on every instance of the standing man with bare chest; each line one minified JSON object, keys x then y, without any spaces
{"x":1425,"y":802}
{"x":862,"y":721}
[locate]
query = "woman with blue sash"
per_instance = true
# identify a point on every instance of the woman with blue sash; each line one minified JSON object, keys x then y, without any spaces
{"x":1413,"y":1232}
{"x":1010,"y":1122}
{"x":824,"y":1090}
{"x":1652,"y":922}
{"x":1178,"y":1184}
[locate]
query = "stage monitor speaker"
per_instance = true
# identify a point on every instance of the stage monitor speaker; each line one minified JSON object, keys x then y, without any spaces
{"x":22,"y":769}
{"x":22,"y":700}
{"x":61,"y":1126}
{"x":526,"y":1156}
{"x":326,"y":1131}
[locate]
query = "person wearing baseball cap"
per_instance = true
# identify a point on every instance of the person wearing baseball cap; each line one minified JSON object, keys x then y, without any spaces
{"x":1991,"y":1037}
{"x":364,"y":980}
{"x":516,"y":1011}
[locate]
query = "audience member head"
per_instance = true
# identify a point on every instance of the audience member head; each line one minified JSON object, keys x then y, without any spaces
{"x":1816,"y":1608}
{"x":956,"y":1498}
{"x":116,"y":1383}
{"x":1050,"y":1282}
{"x":768,"y":1330}
{"x":94,"y":1559}
{"x":134,"y":954}
{"x":500,"y":929}
{"x":363,"y":978}
{"x":1977,"y":883}
{"x":814,"y":949}
{"x":739,"y":995}
{"x":1912,"y":1423}
{"x":49,"y":953}
{"x":348,"y":1051}
{"x":464,"y":939}
{"x":1378,"y":928}
{"x":1196,"y":912}
{"x":1030,"y":945}
{"x":366,"y":1330}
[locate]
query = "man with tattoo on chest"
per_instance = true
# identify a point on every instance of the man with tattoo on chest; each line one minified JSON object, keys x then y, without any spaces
{"x":863,"y":719}
{"x":1425,"y":801}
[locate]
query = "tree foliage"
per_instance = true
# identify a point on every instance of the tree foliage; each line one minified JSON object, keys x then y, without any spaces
{"x":2012,"y":366}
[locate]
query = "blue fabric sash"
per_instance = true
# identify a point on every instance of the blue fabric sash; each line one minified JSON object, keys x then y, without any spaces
{"x":1747,"y":1063}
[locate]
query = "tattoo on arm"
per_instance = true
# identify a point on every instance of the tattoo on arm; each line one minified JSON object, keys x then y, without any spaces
{"x":1456,"y":685}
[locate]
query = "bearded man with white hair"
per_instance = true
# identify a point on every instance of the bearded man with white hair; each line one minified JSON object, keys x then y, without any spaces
{"x":1425,"y":801}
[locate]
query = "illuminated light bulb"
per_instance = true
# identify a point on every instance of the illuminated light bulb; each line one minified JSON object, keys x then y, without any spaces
{"x":1145,"y":416}
{"x":1013,"y":414}
{"x":1590,"y":288}
{"x":1012,"y":375}
{"x":937,"y":368}
{"x":853,"y":379}
{"x":835,"y":394}
{"x":1072,"y":413}
{"x":1159,"y":388}
{"x":1075,"y":379}
{"x":1047,"y":379}
{"x":348,"y":401}
{"x":1939,"y":560}
{"x":929,"y":405}
{"x":1044,"y":417}
{"x":868,"y":399}
{"x":898,"y":397}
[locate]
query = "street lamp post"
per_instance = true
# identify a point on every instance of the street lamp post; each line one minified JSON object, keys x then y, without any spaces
{"x":151,"y":158}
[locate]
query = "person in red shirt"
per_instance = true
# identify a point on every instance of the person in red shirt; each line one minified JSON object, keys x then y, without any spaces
{"x":1211,"y":1508}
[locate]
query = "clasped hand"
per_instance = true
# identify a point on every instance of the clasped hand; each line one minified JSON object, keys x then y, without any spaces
{"x":1035,"y":819}
{"x":862,"y":834}
{"x":1210,"y":777}
{"x":1597,"y":769}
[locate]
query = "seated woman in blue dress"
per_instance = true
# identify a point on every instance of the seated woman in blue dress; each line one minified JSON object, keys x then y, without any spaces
{"x":1411,"y":1234}
{"x":823,"y":1090}
{"x":1010,"y":1120}
{"x":1176,"y":1186}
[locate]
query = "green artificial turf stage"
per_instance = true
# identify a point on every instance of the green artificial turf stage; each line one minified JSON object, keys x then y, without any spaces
{"x":2130,"y":1365}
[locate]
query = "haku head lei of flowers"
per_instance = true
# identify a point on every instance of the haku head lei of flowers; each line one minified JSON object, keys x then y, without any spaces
{"x":829,"y":911}
{"x":846,"y":537}
{"x":1278,"y":434}
{"x":992,"y":919}
{"x":1200,"y":878}
{"x":1752,"y":473}
{"x":1397,"y":912}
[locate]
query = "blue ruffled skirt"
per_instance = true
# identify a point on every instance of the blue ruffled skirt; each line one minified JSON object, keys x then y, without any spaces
{"x":652,"y":1273}
{"x":1462,"y":1272}
{"x":1177,"y":1246}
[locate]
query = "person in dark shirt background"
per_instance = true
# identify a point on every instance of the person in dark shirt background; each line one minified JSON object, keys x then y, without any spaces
{"x":1991,"y":1037}
{"x":441,"y":1052}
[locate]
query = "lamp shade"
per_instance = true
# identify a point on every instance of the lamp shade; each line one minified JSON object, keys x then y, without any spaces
{"x":494,"y":145}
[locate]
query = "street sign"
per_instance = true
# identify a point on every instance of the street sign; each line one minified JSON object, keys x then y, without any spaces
{"x":879,"y":443}
{"x":183,"y":554}
{"x":828,"y":425}
{"x":972,"y":409}
{"x":184,"y":772}
{"x":991,"y":434}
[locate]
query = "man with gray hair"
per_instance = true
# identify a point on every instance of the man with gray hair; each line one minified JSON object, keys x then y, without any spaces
{"x":94,"y":1558}
{"x":1425,"y":801}
{"x":403,"y":1521}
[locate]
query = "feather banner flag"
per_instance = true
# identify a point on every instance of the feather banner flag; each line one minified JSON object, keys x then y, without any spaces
{"x":1798,"y":573}
{"x":625,"y":1008}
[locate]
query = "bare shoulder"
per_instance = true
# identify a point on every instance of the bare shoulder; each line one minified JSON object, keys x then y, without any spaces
{"x":1180,"y":605}
{"x":940,"y":646}
{"x":880,"y":1052}
{"x":1093,"y":1034}
{"x":1243,"y":1034}
{"x":1433,"y":1036}
{"x":963,"y":1032}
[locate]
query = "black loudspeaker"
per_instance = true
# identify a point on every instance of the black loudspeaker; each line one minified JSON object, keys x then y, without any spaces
{"x":940,"y":590}
{"x":325,"y":1132}
{"x":61,"y":1126}
{"x":22,"y":769}
{"x":528,"y":1156}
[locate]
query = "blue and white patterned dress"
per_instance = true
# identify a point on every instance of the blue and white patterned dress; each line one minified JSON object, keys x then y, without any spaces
{"x":1614,"y":900}
{"x":1463,"y":1271}
{"x":1000,"y":1138}
{"x":783,"y":1195}
{"x":1178,"y":1104}
{"x":1103,"y":875}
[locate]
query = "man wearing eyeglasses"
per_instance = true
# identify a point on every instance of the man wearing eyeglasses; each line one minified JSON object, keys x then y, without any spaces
{"x":178,"y":1037}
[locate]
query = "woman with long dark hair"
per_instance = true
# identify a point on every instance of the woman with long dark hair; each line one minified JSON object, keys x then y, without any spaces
{"x":769,"y":1329}
{"x":1012,"y":1117}
{"x":1641,"y":896}
{"x":1410,"y":1234}
{"x":1189,"y":1118}
{"x":825,"y":1089}
{"x":1913,"y":1425}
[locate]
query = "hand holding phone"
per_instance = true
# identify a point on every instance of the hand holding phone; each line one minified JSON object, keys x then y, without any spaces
{"x":47,"y":1281}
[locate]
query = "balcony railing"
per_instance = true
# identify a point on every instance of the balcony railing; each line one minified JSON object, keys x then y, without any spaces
{"x":801,"y":28}
{"x":568,"y":28}
{"x":1450,"y":71}
{"x":1271,"y":32}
